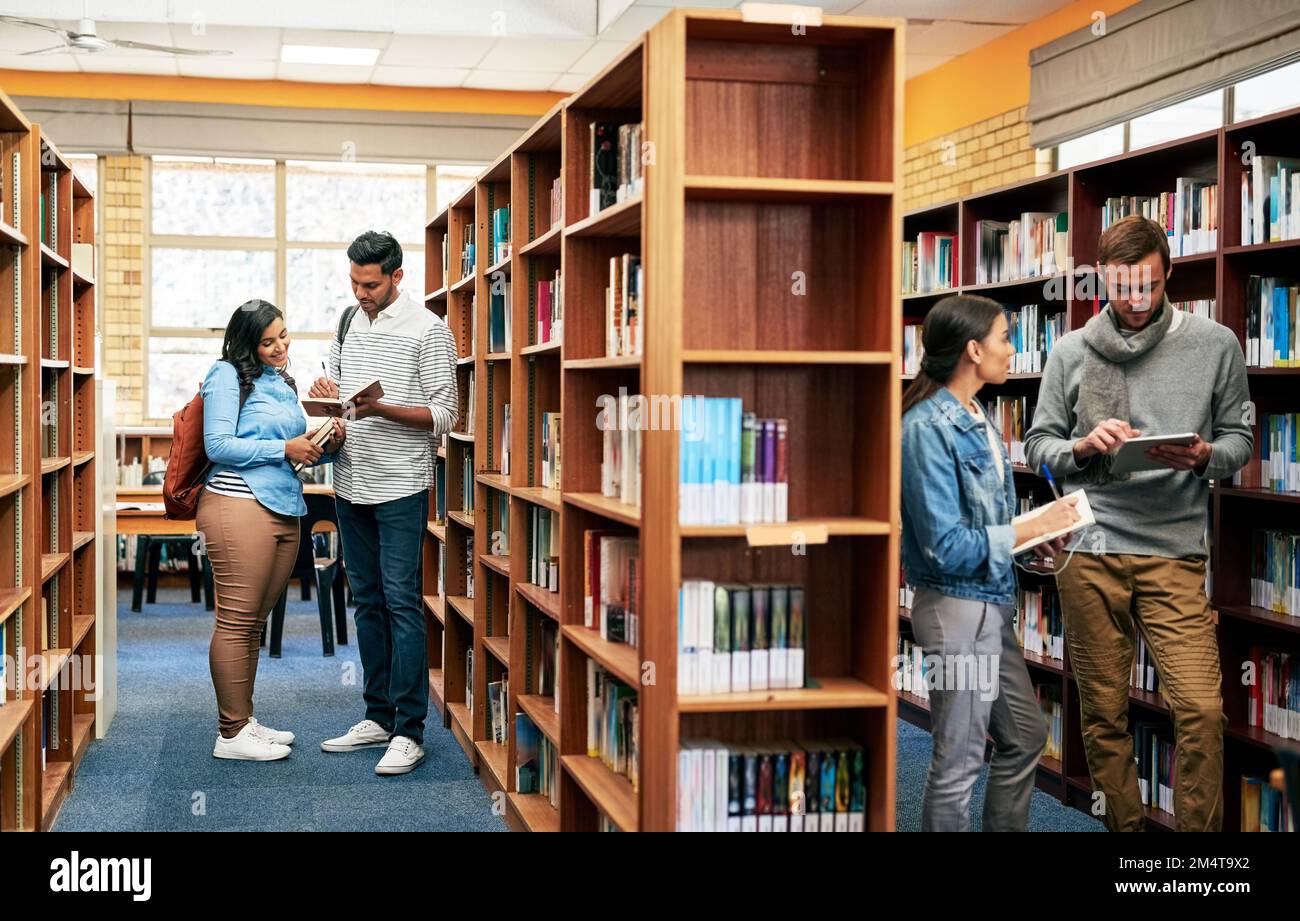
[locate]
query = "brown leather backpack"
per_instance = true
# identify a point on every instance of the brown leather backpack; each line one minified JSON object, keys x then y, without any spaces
{"x":188,"y":465}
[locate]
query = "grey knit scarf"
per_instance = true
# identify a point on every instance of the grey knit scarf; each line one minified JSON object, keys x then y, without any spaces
{"x":1103,"y":387}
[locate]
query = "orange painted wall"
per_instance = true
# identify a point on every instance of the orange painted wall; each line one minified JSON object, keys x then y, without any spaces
{"x":276,"y":93}
{"x":991,"y":79}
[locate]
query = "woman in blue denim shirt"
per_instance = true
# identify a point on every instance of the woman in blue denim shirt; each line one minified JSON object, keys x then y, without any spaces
{"x":958,"y":501}
{"x":249,"y":510}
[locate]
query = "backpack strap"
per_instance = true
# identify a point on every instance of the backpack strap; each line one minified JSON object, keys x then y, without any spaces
{"x":345,"y":323}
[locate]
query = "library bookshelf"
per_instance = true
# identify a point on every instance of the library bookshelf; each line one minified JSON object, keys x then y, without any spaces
{"x":1235,"y":513}
{"x":767,"y":226}
{"x":48,"y":508}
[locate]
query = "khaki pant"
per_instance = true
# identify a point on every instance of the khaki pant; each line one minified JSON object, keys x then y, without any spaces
{"x":1105,"y":597}
{"x":252,"y":551}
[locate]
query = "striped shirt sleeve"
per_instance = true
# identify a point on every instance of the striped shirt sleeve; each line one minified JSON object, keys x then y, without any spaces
{"x":438,"y":376}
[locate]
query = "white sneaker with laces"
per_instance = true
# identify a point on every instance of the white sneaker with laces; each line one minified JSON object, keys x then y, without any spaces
{"x":271,"y":735}
{"x":365,"y":734}
{"x":402,"y":756}
{"x":248,"y":746}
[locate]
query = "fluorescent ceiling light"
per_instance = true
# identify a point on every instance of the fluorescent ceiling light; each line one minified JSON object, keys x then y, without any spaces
{"x":328,"y":54}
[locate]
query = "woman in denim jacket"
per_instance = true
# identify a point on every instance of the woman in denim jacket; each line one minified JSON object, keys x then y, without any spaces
{"x":249,"y":510}
{"x":958,"y":501}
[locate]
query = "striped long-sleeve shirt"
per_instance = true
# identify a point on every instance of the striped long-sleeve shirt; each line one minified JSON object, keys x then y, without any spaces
{"x":413,"y":353}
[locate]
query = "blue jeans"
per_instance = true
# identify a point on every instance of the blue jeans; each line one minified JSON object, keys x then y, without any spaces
{"x":382,"y":556}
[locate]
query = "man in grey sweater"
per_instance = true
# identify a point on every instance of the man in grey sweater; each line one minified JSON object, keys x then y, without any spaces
{"x":1143,"y":367}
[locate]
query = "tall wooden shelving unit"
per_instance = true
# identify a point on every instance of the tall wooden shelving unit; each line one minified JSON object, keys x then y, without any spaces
{"x":768,"y":233}
{"x":47,"y":487}
{"x":1234,"y":513}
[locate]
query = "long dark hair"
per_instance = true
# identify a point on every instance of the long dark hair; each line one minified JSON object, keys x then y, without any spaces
{"x":243,"y":335}
{"x":951,"y":323}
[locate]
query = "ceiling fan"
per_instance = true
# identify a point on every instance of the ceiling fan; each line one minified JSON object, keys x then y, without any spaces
{"x":85,"y":39}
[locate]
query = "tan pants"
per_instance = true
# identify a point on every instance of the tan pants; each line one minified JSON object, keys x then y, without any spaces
{"x":1105,"y":598}
{"x":252,"y":551}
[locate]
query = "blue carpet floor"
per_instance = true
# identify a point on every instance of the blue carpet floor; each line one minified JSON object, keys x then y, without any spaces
{"x":155,"y":770}
{"x":1045,"y":812}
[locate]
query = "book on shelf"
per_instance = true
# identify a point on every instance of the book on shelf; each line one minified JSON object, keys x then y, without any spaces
{"x":537,"y":761}
{"x":505,"y":439}
{"x":631,"y":179}
{"x":549,"y":310}
{"x":1040,"y":623}
{"x":1188,"y":214}
{"x":467,"y":261}
{"x":620,"y":462}
{"x":1203,"y":308}
{"x":440,"y":490}
{"x":1272,"y":331}
{"x":611,"y":584}
{"x":1049,"y":702}
{"x":733,"y":465}
{"x":500,"y":234}
{"x":45,"y":725}
{"x":499,"y":331}
{"x":738,"y":638}
{"x":501,"y":526}
{"x":469,"y":678}
{"x":467,"y":479}
{"x":470,"y":411}
{"x":1013,"y":417}
{"x":546,"y":674}
{"x":1276,"y":463}
{"x":911,"y":674}
{"x":1270,"y":200}
{"x":623,"y":299}
{"x":1154,"y":746}
{"x":1033,"y":332}
{"x":906,"y":592}
{"x":468,"y":564}
{"x":1028,"y":247}
{"x":913,"y":349}
{"x":557,"y":201}
{"x":612,"y":732}
{"x":1143,"y":676}
{"x":550,"y":450}
{"x":1273,"y":701}
{"x":1264,"y":808}
{"x":1275,"y":571}
{"x":497,"y":725}
{"x":928,"y":262}
{"x":615,"y":171}
{"x":544,"y":548}
{"x":446,"y":262}
{"x":780,"y":786}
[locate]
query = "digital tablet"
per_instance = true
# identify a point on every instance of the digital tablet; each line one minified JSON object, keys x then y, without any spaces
{"x":1132,"y":457}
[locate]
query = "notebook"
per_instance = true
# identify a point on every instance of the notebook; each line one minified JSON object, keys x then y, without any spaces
{"x":1085,"y":520}
{"x":334,"y":406}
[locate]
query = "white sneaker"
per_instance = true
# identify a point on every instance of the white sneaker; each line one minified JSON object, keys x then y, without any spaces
{"x":271,"y":735}
{"x":248,"y":746}
{"x":365,"y":734}
{"x":402,"y":756}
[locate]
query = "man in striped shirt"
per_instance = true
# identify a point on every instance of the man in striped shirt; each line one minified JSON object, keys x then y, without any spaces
{"x":381,"y":482}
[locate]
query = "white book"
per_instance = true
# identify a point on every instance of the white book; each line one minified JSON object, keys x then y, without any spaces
{"x":827,"y":822}
{"x":704,"y":637}
{"x":723,"y":789}
{"x":697,"y":789}
{"x":781,"y":497}
{"x":708,"y":788}
{"x":684,"y":788}
{"x":739,"y":672}
{"x":758,"y":669}
{"x":751,"y":503}
{"x":768,"y":513}
{"x":794,"y":676}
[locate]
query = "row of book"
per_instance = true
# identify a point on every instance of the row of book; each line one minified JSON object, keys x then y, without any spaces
{"x":557,"y":201}
{"x":913,"y":349}
{"x":1270,"y":200}
{"x":1013,"y":417}
{"x":1276,"y":464}
{"x":1033,"y":332}
{"x":1273,"y":703}
{"x":735,"y":638}
{"x":468,"y":565}
{"x":1033,"y":245}
{"x":543,"y":548}
{"x":467,"y":255}
{"x":503,"y":446}
{"x":546,"y":673}
{"x":910,"y":674}
{"x":1203,"y":308}
{"x":1264,"y":808}
{"x":1272,"y":332}
{"x":1188,"y":214}
{"x":1153,"y":744}
{"x":550,"y":450}
{"x":616,"y":170}
{"x":537,"y":761}
{"x":623,"y":306}
{"x":791,"y":786}
{"x":611,"y":581}
{"x":499,"y":319}
{"x":498,"y":722}
{"x":440,"y":490}
{"x":734,"y":465}
{"x":500,"y":235}
{"x":467,"y":476}
{"x":499,"y":503}
{"x":548,"y":310}
{"x":620,"y":459}
{"x":1040,"y":623}
{"x":613,"y":734}
{"x":1275,"y":571}
{"x":1143,"y":675}
{"x":469,"y":406}
{"x":1049,"y":702}
{"x":929,"y":263}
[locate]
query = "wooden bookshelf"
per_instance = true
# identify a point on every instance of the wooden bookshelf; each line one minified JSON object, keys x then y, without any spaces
{"x":833,"y":187}
{"x":1235,"y":512}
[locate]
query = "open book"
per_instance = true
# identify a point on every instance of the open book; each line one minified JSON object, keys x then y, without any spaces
{"x":318,"y":438}
{"x":334,"y":406}
{"x":1085,"y":520}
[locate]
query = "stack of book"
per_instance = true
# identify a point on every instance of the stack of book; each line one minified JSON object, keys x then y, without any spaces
{"x":1276,"y":464}
{"x":548,"y":310}
{"x":1275,"y":571}
{"x":544,"y":548}
{"x":1270,"y":200}
{"x":734,"y":468}
{"x":1272,"y":332}
{"x":1273,"y":703}
{"x":611,"y":584}
{"x":623,"y":299}
{"x":500,"y":234}
{"x":612,"y":730}
{"x":928,"y":263}
{"x":738,"y":638}
{"x":1031,"y":246}
{"x":778,"y":787}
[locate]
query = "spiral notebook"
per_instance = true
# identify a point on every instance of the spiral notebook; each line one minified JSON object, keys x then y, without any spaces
{"x":1085,"y":520}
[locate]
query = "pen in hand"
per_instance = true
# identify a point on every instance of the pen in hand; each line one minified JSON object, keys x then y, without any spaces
{"x":1050,"y":481}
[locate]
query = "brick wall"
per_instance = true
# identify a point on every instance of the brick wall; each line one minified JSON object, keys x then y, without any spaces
{"x":981,"y":156}
{"x":121,"y":293}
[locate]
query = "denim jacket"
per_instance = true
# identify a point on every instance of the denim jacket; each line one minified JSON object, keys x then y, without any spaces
{"x":251,"y":442}
{"x":957,"y":532}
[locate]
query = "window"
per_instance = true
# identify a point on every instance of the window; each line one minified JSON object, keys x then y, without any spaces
{"x":1182,"y":119}
{"x":1271,"y":92}
{"x":222,"y":231}
{"x":86,"y":166}
{"x":1107,"y":142}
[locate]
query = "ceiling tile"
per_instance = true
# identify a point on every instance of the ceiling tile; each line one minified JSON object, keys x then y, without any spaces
{"x":509,"y":80}
{"x":110,"y":62}
{"x":152,"y":32}
{"x":376,"y":15}
{"x":436,"y":51}
{"x":419,"y":76}
{"x":225,"y":68}
{"x":244,"y":42}
{"x":323,"y":73}
{"x":570,"y":83}
{"x":633,"y":23}
{"x":594,"y":60}
{"x":336,"y":38}
{"x":555,"y":55}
